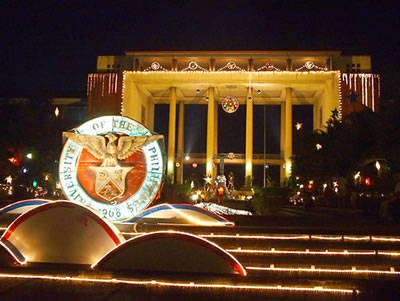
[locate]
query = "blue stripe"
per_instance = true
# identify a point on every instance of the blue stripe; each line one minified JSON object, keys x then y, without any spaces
{"x":21,"y":204}
{"x":177,"y":206}
{"x":14,"y":250}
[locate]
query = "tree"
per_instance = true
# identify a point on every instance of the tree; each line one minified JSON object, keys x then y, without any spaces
{"x":342,"y":147}
{"x":28,"y":128}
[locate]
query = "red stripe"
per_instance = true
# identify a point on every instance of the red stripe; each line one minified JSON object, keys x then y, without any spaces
{"x":48,"y":206}
{"x":106,"y":227}
{"x":30,"y":213}
{"x":163,"y":235}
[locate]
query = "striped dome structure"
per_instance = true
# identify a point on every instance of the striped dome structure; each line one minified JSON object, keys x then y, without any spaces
{"x":170,"y":252}
{"x":61,"y":232}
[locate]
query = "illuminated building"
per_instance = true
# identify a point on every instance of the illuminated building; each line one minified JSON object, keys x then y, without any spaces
{"x":328,"y":81}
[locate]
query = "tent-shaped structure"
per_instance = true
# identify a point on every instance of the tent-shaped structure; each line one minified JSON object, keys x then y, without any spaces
{"x":61,"y":232}
{"x":22,"y":206}
{"x":9,"y":258}
{"x":168,"y":251}
{"x":180,"y":214}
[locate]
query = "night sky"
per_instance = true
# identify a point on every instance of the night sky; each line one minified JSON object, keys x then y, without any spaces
{"x":53,"y":47}
{"x":50,"y":49}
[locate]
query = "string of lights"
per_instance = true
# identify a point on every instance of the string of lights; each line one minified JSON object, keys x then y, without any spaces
{"x":231,"y":65}
{"x":155,"y":67}
{"x":240,"y":70}
{"x":312,"y":269}
{"x":157,"y":283}
{"x":268,"y":67}
{"x":340,"y":97}
{"x":339,"y":237}
{"x":123,"y":92}
{"x":273,"y":251}
{"x":369,"y":83}
{"x":192,"y":66}
{"x":309,"y":65}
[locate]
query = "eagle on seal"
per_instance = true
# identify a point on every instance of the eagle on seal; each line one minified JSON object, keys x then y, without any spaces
{"x":105,"y":147}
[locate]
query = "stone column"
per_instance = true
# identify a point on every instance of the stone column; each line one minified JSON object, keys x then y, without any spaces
{"x":137,"y":65}
{"x":174,"y":65}
{"x":288,"y":65}
{"x":210,"y":133}
{"x":250,"y":65}
{"x":215,"y":168}
{"x":283,"y":122}
{"x":328,"y":64}
{"x":212,"y":65}
{"x":249,"y":134}
{"x":288,"y":132}
{"x":181,"y":121}
{"x":171,"y":133}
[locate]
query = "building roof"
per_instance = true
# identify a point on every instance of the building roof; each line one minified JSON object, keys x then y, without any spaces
{"x":236,"y":53}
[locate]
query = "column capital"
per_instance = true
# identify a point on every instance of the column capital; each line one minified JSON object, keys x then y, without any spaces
{"x":212,"y":65}
{"x":250,"y":65}
{"x":174,"y":66}
{"x":288,"y":64}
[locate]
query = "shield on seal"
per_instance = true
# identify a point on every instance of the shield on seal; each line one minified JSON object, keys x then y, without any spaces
{"x":110,"y":181}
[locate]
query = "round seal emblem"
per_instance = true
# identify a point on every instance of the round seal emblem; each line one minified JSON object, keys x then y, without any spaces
{"x":112,"y":164}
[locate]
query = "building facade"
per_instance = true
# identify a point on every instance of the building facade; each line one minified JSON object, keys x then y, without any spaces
{"x":133,"y":84}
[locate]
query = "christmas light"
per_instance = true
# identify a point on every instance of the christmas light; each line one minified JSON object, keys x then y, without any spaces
{"x":194,"y":66}
{"x":189,"y":285}
{"x":9,"y":179}
{"x":299,"y":126}
{"x":231,"y":65}
{"x":268,"y":67}
{"x":385,"y":239}
{"x":155,"y":67}
{"x":310,"y":65}
{"x":321,"y":270}
{"x":367,"y":81}
{"x":308,"y":252}
{"x":340,"y":96}
{"x":318,"y":146}
{"x":207,"y":180}
{"x":14,"y":161}
{"x":218,"y":209}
